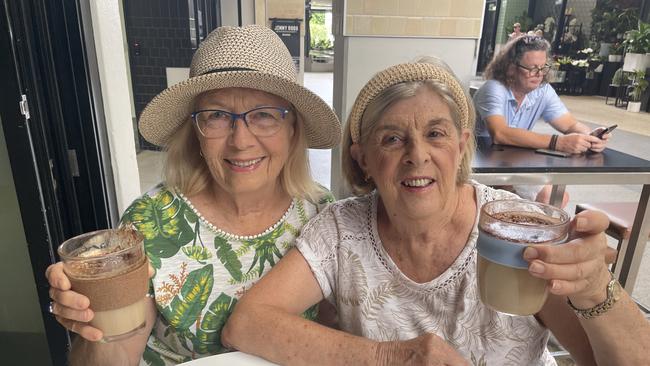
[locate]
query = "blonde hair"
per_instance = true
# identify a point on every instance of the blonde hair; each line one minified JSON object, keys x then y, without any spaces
{"x":353,"y":173}
{"x":186,"y":169}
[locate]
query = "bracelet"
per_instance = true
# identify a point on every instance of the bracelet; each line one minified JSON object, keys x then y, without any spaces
{"x":553,"y":143}
{"x":614,"y":291}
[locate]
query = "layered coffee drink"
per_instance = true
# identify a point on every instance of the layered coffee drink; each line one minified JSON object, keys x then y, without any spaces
{"x":110,"y":268}
{"x":506,"y":228}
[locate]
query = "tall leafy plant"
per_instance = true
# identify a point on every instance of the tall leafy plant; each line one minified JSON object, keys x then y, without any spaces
{"x":639,"y":85}
{"x":609,"y":22}
{"x":616,"y":48}
{"x":320,"y":38}
{"x":638,"y":40}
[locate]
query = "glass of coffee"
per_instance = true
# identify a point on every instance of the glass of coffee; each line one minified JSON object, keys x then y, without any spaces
{"x":110,"y":268}
{"x":506,"y":228}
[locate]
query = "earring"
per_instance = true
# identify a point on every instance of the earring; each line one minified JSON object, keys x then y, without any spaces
{"x":201,"y":153}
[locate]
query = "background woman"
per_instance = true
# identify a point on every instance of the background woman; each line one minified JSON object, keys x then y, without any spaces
{"x":237,"y":192}
{"x":399,"y":261}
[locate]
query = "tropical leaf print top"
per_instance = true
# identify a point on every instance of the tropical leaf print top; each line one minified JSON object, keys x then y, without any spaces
{"x":374,"y":299}
{"x":202,"y":271}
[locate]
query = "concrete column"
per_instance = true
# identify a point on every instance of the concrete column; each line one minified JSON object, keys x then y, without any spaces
{"x":373,"y":35}
{"x":113,"y":66}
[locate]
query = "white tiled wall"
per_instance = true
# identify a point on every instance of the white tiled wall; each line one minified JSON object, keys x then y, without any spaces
{"x":414,"y":18}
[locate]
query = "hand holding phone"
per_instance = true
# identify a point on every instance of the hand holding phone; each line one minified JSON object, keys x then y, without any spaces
{"x":601,"y":132}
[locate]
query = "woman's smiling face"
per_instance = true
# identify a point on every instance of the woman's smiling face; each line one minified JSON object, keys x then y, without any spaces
{"x":413,"y":154}
{"x":241,"y":162}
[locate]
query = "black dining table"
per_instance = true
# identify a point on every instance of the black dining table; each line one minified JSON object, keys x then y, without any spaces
{"x":510,"y":165}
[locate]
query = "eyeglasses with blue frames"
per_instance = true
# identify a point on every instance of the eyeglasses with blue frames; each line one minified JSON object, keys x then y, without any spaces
{"x":535,"y":71}
{"x":261,"y":121}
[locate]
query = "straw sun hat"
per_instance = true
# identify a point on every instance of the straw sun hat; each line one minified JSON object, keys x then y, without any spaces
{"x":415,"y":71}
{"x":247,"y":57}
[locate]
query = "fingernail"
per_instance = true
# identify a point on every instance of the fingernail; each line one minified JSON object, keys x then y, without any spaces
{"x":581,"y":223}
{"x":530,"y":253}
{"x":536,"y":267}
{"x":555,"y":285}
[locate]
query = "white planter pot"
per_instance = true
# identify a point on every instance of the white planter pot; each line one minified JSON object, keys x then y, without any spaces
{"x":604,"y":49}
{"x":615,"y":58}
{"x":634,"y":107}
{"x":636,"y":61}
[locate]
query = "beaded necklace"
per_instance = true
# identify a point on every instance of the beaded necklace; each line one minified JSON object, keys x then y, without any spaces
{"x":231,"y":236}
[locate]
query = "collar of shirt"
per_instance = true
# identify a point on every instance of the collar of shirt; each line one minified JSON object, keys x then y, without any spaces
{"x":526,"y":103}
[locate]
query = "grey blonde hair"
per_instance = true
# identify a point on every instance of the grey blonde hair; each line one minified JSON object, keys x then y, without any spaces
{"x":186,"y":170}
{"x":353,"y":173}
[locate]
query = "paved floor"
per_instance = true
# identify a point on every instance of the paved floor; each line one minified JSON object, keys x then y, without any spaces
{"x":632,"y":137}
{"x":593,"y":109}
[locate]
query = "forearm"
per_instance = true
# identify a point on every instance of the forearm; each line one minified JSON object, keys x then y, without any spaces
{"x":84,"y":352}
{"x":621,"y":336}
{"x":577,"y":127}
{"x":521,"y":137}
{"x":288,"y":339}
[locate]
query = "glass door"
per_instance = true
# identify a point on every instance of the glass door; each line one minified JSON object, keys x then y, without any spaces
{"x":22,"y":333}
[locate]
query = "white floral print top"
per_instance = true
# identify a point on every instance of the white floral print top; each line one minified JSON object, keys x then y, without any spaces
{"x":376,"y":300}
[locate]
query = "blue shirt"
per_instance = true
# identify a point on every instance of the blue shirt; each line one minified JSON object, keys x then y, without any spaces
{"x":494,"y":98}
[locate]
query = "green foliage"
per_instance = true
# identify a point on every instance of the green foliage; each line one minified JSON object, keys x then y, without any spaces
{"x":163,"y":220}
{"x":208,"y":335}
{"x":620,"y":77}
{"x":638,"y":40}
{"x":639,"y":86}
{"x":152,"y":358}
{"x":185,"y":308}
{"x":617,"y":48}
{"x":228,"y":257}
{"x":609,"y":22}
{"x":319,"y":36}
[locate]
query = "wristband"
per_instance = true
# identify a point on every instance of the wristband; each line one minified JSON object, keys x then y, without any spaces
{"x":553,"y":143}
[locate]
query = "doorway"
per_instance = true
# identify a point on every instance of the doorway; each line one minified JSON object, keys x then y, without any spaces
{"x":54,"y":162}
{"x":488,"y":34}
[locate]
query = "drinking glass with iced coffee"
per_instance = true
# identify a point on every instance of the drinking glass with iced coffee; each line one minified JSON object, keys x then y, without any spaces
{"x":506,"y":228}
{"x":111,"y":269}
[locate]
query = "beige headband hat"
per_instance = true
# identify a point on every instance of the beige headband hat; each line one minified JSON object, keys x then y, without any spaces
{"x":244,"y":57}
{"x":403,"y":73}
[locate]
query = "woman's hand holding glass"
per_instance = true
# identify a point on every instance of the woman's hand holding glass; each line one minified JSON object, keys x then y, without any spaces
{"x":578,"y":268}
{"x":71,"y":309}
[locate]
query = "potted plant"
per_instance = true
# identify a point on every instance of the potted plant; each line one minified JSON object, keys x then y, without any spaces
{"x":637,"y":88}
{"x":620,"y":78}
{"x":637,"y":44}
{"x":616,"y":52}
{"x":609,"y":22}
{"x":564,"y":63}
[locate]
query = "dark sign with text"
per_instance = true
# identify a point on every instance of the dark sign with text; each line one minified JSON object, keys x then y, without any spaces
{"x":289,"y":32}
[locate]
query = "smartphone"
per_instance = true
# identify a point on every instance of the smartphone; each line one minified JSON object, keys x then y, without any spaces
{"x":600,"y":133}
{"x":560,"y":154}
